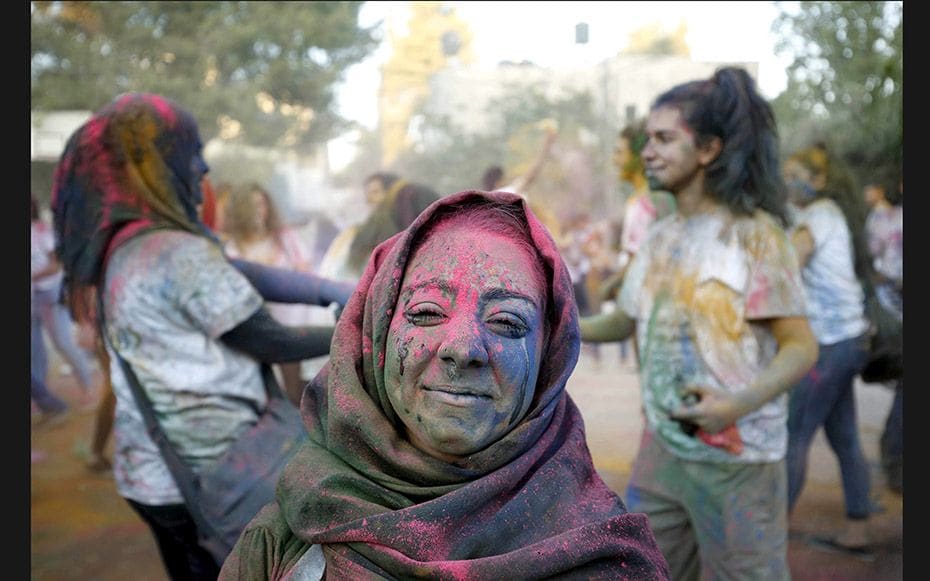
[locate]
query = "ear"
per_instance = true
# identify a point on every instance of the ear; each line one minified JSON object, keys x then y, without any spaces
{"x":708,"y":151}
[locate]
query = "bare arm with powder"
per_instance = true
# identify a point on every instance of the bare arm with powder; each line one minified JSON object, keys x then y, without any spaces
{"x":613,"y":326}
{"x":803,"y":242}
{"x":797,"y":353}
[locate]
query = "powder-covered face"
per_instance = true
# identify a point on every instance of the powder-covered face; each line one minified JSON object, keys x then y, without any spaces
{"x":670,"y":154}
{"x":465,"y":340}
{"x":800,"y":182}
{"x":199,"y":168}
{"x":185,"y":159}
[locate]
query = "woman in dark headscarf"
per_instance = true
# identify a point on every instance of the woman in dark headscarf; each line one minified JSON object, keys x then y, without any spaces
{"x":402,"y":203}
{"x":443,"y":444}
{"x":190,"y":324}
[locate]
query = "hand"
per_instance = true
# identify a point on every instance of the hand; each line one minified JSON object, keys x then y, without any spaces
{"x":714,"y":411}
{"x":550,"y":126}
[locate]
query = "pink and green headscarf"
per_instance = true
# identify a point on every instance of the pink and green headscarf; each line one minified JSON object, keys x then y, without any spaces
{"x":130,"y":167}
{"x":530,"y":505}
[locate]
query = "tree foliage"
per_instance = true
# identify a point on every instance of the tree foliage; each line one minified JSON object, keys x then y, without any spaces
{"x":260,"y":73}
{"x":845,"y":84}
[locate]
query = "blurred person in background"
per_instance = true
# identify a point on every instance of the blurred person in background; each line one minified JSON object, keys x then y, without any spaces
{"x":715,"y":299}
{"x":395,"y":210}
{"x":495,"y":178}
{"x":50,"y":315}
{"x":828,"y":219}
{"x":125,"y":201}
{"x":885,"y":233}
{"x":642,"y":208}
{"x":377,"y":187}
{"x":255,"y":232}
{"x":884,"y":228}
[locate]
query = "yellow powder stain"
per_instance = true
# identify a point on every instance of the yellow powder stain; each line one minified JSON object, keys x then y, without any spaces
{"x":716,"y":304}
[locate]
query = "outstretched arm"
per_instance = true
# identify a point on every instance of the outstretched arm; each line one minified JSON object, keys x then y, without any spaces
{"x":613,"y":326}
{"x":282,"y":285}
{"x":265,"y":339}
{"x":524,"y":181}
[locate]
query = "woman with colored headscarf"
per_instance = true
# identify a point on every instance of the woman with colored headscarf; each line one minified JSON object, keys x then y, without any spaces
{"x":443,"y":443}
{"x":192,"y":327}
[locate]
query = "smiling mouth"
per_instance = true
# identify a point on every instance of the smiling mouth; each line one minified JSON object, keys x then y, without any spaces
{"x":456,"y":395}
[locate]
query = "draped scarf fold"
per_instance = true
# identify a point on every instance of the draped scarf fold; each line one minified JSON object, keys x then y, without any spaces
{"x":129,"y":165}
{"x":529,"y":505}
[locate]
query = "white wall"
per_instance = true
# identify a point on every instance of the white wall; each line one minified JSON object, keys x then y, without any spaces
{"x":50,"y":130}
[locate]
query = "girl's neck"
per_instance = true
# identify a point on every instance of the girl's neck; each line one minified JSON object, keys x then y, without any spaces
{"x":640,"y":185}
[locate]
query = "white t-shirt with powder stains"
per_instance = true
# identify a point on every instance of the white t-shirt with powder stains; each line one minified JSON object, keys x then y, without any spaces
{"x":169,"y":297}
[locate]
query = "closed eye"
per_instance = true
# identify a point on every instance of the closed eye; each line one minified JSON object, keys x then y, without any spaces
{"x":508,"y":325}
{"x":425,"y":315}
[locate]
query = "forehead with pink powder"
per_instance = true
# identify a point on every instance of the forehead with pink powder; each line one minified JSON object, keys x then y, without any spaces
{"x":498,"y":219}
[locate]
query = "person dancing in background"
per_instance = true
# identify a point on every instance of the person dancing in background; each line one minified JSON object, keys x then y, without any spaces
{"x":715,"y":298}
{"x":643,"y":208}
{"x":125,"y":202}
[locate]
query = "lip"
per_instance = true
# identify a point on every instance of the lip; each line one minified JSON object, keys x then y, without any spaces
{"x":457,"y":390}
{"x":456,"y":395}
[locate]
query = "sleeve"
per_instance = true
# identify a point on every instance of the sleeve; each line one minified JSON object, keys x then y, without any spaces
{"x":265,"y":339}
{"x":282,"y":285}
{"x":774,"y":288}
{"x":822,"y":220}
{"x":873,"y":237}
{"x":208,"y":289}
{"x":267,"y":549}
{"x":631,"y":290}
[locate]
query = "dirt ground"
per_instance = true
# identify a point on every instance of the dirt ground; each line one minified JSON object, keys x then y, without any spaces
{"x":81,"y":529}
